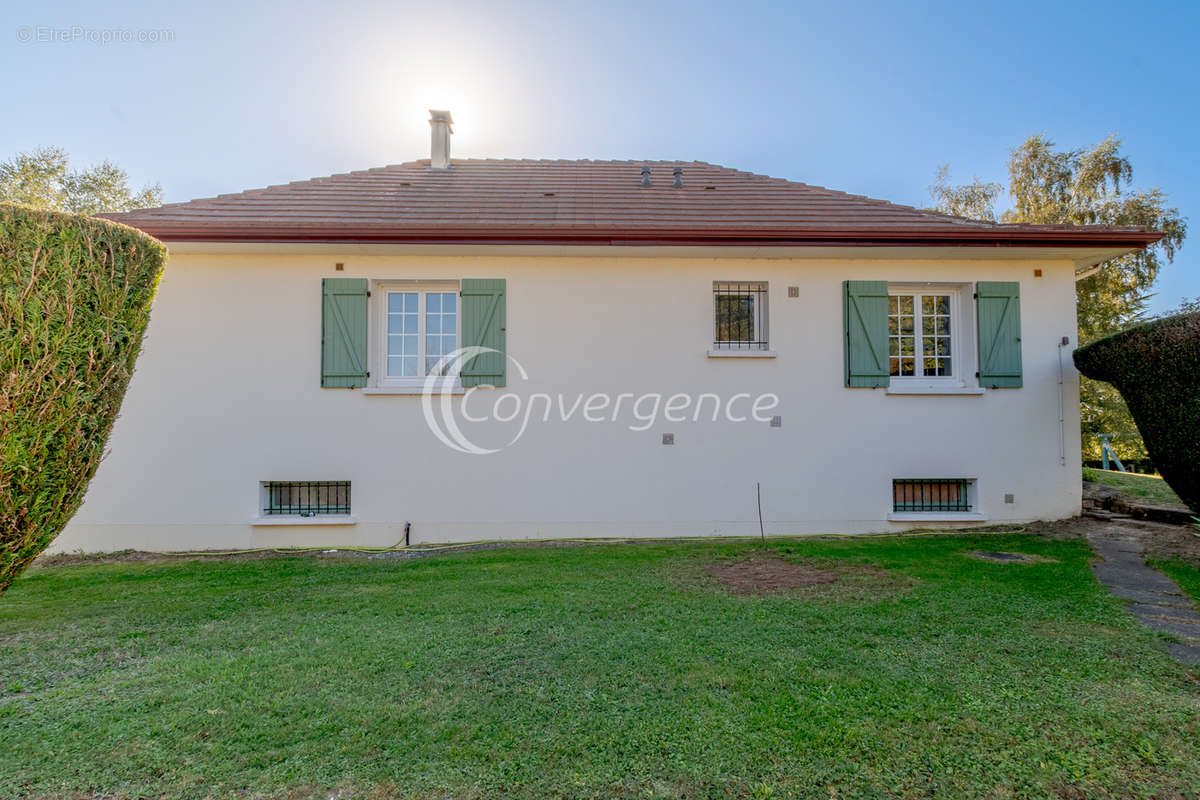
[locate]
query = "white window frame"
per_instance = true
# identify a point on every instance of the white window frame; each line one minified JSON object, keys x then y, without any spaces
{"x":380,"y":382}
{"x":976,"y":514}
{"x":762,"y":320}
{"x":962,"y":378}
{"x":264,"y":520}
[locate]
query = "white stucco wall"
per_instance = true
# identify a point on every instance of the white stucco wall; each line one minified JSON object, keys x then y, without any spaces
{"x":226,"y":395}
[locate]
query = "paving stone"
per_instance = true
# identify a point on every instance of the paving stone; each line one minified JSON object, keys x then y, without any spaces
{"x":1133,"y":561}
{"x":1150,"y":596}
{"x":1112,"y":546}
{"x":1098,"y":513}
{"x":1187,"y":653}
{"x":1117,"y":548}
{"x":1189,"y":629}
{"x":1134,"y":576}
{"x":1169,"y":612}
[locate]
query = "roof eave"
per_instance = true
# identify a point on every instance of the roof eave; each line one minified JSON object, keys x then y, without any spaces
{"x":1058,"y":237}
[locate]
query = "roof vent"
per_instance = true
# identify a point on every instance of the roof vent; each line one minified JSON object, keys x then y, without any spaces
{"x":646,"y":177}
{"x":678,"y":184}
{"x":439,"y":154}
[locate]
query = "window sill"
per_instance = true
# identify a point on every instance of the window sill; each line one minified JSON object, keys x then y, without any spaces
{"x":936,"y":516}
{"x":282,"y":519}
{"x":741,"y":354}
{"x":934,"y":389}
{"x":414,"y":389}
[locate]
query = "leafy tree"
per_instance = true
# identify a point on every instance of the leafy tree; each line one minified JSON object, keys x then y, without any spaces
{"x":975,"y":200}
{"x":1085,"y":186}
{"x":1185,"y":307}
{"x":44,"y":179}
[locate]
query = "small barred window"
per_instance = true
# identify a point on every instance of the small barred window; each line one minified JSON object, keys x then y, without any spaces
{"x":740,"y":310}
{"x":306,"y":498}
{"x":913,"y":494}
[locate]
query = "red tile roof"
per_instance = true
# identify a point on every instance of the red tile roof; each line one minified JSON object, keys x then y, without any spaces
{"x":583,"y":202}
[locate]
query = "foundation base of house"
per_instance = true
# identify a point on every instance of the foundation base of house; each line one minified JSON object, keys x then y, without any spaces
{"x":341,"y":533}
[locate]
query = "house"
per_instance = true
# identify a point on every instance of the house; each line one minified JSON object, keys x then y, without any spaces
{"x":512,"y":349}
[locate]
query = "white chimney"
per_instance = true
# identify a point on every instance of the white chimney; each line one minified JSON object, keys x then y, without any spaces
{"x":439,"y":154}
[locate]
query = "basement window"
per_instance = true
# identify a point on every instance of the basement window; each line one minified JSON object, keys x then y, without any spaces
{"x":931,"y":494}
{"x":305,"y":498}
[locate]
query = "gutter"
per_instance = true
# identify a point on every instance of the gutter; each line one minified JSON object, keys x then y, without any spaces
{"x":385,"y":234}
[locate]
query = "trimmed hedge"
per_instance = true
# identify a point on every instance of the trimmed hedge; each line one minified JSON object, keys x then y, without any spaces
{"x":1156,"y":368}
{"x":75,"y":297}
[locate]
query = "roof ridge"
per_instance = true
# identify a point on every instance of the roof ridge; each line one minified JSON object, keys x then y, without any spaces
{"x":523,"y":199}
{"x":875,"y":200}
{"x":419,"y":163}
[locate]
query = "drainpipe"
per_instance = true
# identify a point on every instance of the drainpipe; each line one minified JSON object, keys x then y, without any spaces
{"x":1063,"y":343}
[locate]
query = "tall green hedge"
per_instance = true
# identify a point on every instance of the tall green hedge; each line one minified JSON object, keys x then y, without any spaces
{"x":75,"y":297}
{"x":1156,"y":368}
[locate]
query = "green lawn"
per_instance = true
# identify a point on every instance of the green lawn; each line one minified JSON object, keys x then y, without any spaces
{"x":1185,"y":573}
{"x":1150,"y":487}
{"x":598,"y":672}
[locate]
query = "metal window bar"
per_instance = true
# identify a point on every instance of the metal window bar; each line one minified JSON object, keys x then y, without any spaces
{"x":948,"y":494}
{"x":740,"y":315}
{"x":307,"y":498}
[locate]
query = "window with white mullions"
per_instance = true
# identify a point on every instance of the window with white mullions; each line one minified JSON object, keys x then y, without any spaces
{"x":441,"y":328}
{"x":920,"y":330}
{"x":740,"y":313}
{"x":421,"y":328}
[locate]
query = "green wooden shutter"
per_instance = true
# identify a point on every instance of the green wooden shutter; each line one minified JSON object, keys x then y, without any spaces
{"x":343,"y":332}
{"x":865,"y":319}
{"x":998,"y":312}
{"x":483,"y":324}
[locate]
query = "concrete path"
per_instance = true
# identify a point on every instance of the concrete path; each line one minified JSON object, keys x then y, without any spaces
{"x":1153,"y":598}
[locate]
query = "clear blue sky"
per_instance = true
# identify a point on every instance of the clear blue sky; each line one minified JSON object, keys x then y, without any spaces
{"x":867,"y":97}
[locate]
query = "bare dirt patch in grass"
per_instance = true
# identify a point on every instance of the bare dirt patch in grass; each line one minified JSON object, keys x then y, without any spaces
{"x":1010,"y":557}
{"x":766,"y":575}
{"x":1158,"y":539}
{"x":147,"y":557}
